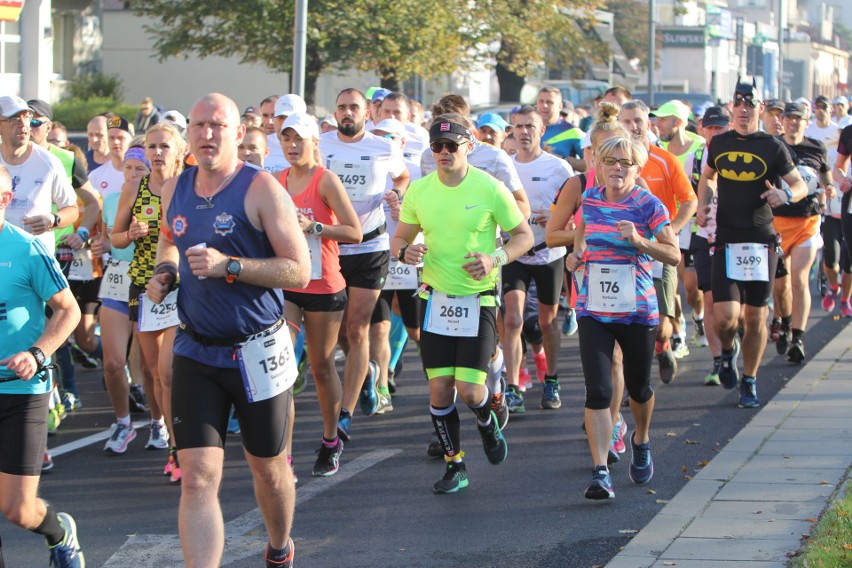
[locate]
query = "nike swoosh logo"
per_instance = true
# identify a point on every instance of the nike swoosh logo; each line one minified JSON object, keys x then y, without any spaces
{"x":468,"y":207}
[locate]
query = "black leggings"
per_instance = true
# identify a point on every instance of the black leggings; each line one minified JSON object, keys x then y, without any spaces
{"x":597,"y":340}
{"x":846,"y":223}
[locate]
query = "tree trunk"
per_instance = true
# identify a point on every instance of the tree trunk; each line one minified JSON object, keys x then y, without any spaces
{"x":510,"y":84}
{"x":390,"y":80}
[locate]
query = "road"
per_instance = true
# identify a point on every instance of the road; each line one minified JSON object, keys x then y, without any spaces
{"x":379,"y":510}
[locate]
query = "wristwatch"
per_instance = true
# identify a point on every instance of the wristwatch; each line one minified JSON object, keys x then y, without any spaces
{"x":316,"y":228}
{"x":233,"y":268}
{"x":38,"y":354}
{"x":401,"y":256}
{"x":57,"y":220}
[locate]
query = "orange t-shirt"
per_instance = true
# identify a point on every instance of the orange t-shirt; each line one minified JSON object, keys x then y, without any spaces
{"x":667,"y":180}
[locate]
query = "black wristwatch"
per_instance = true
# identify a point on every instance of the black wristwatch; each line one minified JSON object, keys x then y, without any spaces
{"x":401,"y":256}
{"x":38,"y":354}
{"x":233,"y":268}
{"x":57,"y":220}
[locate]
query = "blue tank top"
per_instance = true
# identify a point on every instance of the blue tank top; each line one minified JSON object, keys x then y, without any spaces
{"x":212,"y":307}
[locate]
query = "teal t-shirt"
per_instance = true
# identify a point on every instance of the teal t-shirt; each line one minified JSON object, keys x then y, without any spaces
{"x":108,"y":215}
{"x":29,"y":276}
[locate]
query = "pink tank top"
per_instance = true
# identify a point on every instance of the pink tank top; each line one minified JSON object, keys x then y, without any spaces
{"x":310,"y":204}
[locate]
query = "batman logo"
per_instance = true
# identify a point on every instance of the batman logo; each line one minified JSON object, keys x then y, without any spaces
{"x":741,"y":166}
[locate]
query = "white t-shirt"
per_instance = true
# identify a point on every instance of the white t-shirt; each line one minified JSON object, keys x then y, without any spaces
{"x":37,"y":184}
{"x":542,"y":179}
{"x":275,"y":161}
{"x":364,"y":167}
{"x":843,"y":123}
{"x":486,"y":158}
{"x":830,"y":136}
{"x":106,"y":179}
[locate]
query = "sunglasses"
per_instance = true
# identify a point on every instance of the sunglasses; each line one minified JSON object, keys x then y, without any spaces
{"x":623,"y":162}
{"x":22,"y":117}
{"x":750,"y":101}
{"x":37,"y":123}
{"x":438,"y":147}
{"x":822,"y":106}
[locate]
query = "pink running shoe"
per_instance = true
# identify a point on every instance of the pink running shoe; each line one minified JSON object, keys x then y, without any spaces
{"x":619,"y":431}
{"x":846,"y":308}
{"x":524,"y":380}
{"x":540,"y":365}
{"x":828,"y":301}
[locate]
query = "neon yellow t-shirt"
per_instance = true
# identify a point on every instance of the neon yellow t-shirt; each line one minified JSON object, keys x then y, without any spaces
{"x":457,"y":221}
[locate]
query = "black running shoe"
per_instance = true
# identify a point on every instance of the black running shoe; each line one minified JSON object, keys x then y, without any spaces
{"x":328,"y":460}
{"x":493,"y":441}
{"x":601,"y":485}
{"x":796,"y":353}
{"x":455,"y":479}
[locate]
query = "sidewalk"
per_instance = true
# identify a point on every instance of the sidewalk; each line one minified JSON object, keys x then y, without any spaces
{"x":753,"y":502}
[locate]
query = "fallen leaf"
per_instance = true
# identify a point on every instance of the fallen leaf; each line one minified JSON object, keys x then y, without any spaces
{"x":662,"y":501}
{"x":824,"y":482}
{"x":703,"y":463}
{"x":847,"y":546}
{"x":693,"y":442}
{"x":758,"y":512}
{"x":793,"y":553}
{"x":810,"y":520}
{"x":687,"y":477}
{"x":628,"y":531}
{"x":684,"y":468}
{"x":671,"y":434}
{"x":669,"y":563}
{"x":650,"y":492}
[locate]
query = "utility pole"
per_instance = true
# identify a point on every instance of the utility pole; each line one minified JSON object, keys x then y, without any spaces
{"x":652,"y":57}
{"x":300,"y":40}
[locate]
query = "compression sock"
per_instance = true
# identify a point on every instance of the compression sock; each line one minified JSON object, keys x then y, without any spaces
{"x":50,"y":528}
{"x":786,"y":322}
{"x":551,"y":378}
{"x":483,"y":410}
{"x":447,"y":427}
{"x":495,"y":370}
{"x":279,"y":555}
{"x":798,"y":333}
{"x":398,"y":339}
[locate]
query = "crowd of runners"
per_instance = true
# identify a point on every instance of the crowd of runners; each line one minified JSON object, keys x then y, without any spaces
{"x":211,"y":264}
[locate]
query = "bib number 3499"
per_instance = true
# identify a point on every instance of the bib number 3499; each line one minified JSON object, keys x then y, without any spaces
{"x":268,"y":365}
{"x":748,"y":262}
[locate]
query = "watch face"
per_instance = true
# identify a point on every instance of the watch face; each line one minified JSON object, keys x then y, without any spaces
{"x":234,"y":267}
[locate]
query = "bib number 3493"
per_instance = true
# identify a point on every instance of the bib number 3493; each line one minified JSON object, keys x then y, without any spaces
{"x":455,"y":316}
{"x":268,"y":365}
{"x":748,"y":262}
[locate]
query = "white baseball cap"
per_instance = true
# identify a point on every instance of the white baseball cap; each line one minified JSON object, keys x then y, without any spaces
{"x":841,"y":100}
{"x":10,"y":106}
{"x":289,"y":104}
{"x":391,"y":126}
{"x":176,"y":118}
{"x":304,"y":124}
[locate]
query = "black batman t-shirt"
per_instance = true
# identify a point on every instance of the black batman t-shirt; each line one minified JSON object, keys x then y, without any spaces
{"x":743,"y":164}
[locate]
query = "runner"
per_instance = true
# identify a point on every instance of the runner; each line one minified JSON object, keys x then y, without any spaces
{"x":560,"y":137}
{"x":253,"y":148}
{"x":745,"y":164}
{"x":771,"y":117}
{"x":716,"y":121}
{"x":109,"y":178}
{"x":668,"y":182}
{"x":285,"y":105}
{"x":840,"y":111}
{"x":458,"y":334}
{"x":253,"y":249}
{"x":98,"y":152}
{"x":844,"y":184}
{"x":326,"y":216}
{"x":542,"y":175}
{"x":363,"y":162}
{"x":623,"y":228}
{"x":491,"y":129}
{"x":798,"y":226}
{"x":30,"y":277}
{"x":138,"y":221}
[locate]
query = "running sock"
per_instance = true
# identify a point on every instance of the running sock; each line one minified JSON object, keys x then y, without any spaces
{"x":786,"y":321}
{"x":660,"y":346}
{"x":495,"y":370}
{"x":551,"y":378}
{"x":398,"y":339}
{"x":50,"y":528}
{"x":798,"y":333}
{"x":483,"y":410}
{"x":726,"y":354}
{"x":329,"y":443}
{"x":345,"y":414}
{"x":125,"y":421}
{"x":278,"y":554}
{"x":159,"y":422}
{"x":447,"y":427}
{"x":696,"y":316}
{"x":384,"y":391}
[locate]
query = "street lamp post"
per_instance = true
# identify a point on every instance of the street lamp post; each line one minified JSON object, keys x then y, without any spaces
{"x":300,"y":39}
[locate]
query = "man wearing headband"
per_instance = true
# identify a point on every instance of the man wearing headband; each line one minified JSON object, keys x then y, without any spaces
{"x":747,"y":166}
{"x":459,"y":209}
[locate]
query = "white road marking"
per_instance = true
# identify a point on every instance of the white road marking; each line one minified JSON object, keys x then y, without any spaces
{"x":163,"y":550}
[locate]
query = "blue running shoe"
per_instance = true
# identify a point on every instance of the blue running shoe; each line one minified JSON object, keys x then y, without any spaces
{"x":67,"y":554}
{"x":233,"y":422}
{"x":641,"y":465}
{"x":515,"y":400}
{"x":728,"y":373}
{"x":344,"y":427}
{"x":550,"y":396}
{"x":569,"y":324}
{"x":369,"y":398}
{"x":601,"y":485}
{"x":748,"y":393}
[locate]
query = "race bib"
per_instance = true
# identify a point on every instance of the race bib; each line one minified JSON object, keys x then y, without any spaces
{"x":611,"y":288}
{"x":748,"y":262}
{"x":156,"y":317}
{"x":315,"y":248}
{"x":82,"y":269}
{"x":684,"y":236}
{"x":455,"y":316}
{"x":267,"y":364}
{"x":401,"y":276}
{"x":116,"y":283}
{"x":539,"y":232}
{"x":356,"y":177}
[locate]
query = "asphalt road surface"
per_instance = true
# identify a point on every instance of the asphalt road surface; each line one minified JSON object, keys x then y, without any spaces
{"x":379,"y":510}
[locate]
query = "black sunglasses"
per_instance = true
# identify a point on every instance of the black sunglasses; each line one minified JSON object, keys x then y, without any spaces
{"x":438,"y":147}
{"x":750,"y":101}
